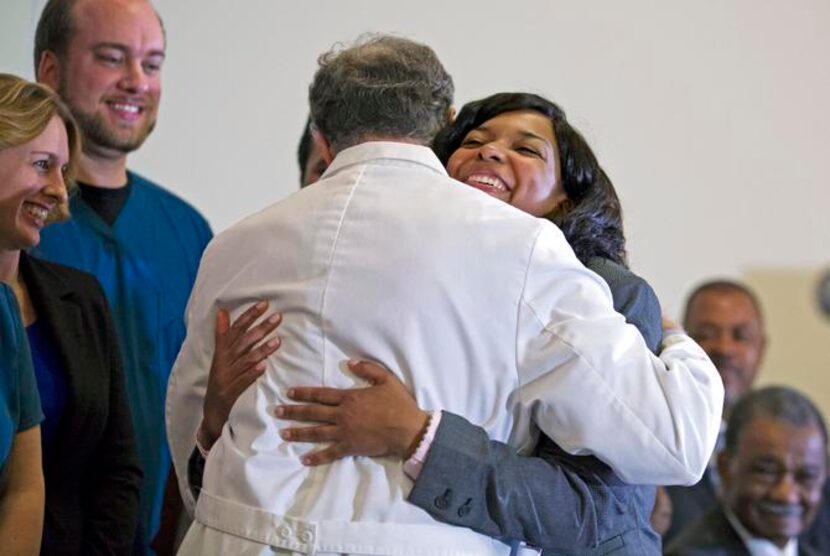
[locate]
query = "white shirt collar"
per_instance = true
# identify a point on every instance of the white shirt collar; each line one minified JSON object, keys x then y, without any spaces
{"x":758,"y":546}
{"x":389,"y":150}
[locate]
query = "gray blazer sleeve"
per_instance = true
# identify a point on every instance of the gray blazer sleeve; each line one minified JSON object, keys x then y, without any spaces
{"x":471,"y":481}
{"x":633,"y":298}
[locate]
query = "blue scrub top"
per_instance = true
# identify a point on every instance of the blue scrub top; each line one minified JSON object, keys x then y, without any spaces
{"x":19,"y":400}
{"x":146,"y":263}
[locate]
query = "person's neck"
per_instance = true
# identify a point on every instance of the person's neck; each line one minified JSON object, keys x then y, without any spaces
{"x":103,"y":171}
{"x":9,"y":265}
{"x":392,"y":139}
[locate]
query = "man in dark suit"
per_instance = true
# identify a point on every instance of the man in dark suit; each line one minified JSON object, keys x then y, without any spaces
{"x":725,"y":318}
{"x":772,"y":470}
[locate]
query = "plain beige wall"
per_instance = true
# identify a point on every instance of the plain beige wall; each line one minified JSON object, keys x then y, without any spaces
{"x":711,"y":117}
{"x":799,"y":335}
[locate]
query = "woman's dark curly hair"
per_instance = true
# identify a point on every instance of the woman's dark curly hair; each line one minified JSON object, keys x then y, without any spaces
{"x":591,"y":217}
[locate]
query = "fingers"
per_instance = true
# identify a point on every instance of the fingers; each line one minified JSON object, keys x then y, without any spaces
{"x":237,"y":340}
{"x":244,"y":343}
{"x":246,"y":319}
{"x":308,"y":413}
{"x":223,"y":320}
{"x":370,"y":371}
{"x":322,"y":457}
{"x":317,"y":394}
{"x":243,"y":380}
{"x":320,"y":433}
{"x":261,"y":352}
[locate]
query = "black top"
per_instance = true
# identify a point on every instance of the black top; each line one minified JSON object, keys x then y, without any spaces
{"x":107,"y":202}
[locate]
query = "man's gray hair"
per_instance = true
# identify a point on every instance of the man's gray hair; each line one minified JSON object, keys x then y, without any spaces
{"x":382,"y":86}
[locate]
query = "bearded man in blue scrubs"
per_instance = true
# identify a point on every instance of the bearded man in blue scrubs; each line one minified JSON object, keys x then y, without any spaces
{"x":104,"y":57}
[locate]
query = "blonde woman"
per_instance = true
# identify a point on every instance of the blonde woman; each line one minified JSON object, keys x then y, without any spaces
{"x":90,"y":465}
{"x":21,"y":474}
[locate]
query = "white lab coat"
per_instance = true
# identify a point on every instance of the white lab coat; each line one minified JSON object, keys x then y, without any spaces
{"x":480,"y":308}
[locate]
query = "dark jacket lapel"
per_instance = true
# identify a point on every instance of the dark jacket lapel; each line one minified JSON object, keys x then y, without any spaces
{"x":723,"y":530}
{"x":56,"y":304}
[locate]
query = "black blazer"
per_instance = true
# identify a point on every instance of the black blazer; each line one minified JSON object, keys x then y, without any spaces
{"x":689,"y":503}
{"x":818,"y":535}
{"x":93,"y":475}
{"x":713,"y":535}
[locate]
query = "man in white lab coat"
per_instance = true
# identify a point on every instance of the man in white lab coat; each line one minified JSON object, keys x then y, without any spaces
{"x":483,"y":310}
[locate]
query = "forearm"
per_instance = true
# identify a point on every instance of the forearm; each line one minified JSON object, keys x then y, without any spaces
{"x":237,"y":358}
{"x":692,"y":399}
{"x":589,"y":381}
{"x":654,"y":421}
{"x":471,"y":481}
{"x":22,"y":503}
{"x":21,"y":522}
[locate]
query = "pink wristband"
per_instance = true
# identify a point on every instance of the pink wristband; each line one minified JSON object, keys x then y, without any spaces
{"x":413,"y":466}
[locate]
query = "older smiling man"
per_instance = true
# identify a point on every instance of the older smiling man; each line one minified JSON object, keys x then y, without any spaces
{"x":772,"y":471}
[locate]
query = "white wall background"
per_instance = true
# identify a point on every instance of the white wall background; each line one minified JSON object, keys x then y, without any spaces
{"x":712,"y":118}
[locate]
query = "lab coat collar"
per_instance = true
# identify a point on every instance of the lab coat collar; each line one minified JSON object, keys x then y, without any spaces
{"x":390,"y":150}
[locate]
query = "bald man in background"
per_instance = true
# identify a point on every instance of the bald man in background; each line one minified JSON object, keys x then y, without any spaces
{"x":105,"y":59}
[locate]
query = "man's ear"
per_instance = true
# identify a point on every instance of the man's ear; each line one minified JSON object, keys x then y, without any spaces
{"x":48,"y":70}
{"x":323,"y":146}
{"x":451,"y":114}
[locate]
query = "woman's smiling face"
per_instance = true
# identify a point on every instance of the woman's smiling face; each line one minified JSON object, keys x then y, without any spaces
{"x":32,"y":185}
{"x":513,"y":157}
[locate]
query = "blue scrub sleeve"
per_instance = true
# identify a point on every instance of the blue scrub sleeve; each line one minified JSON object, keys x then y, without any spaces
{"x":31,"y":413}
{"x":19,"y":400}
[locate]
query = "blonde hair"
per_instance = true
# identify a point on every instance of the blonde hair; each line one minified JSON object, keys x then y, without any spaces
{"x":26,"y":109}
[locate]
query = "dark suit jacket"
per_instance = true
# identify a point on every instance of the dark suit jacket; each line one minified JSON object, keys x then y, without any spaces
{"x":689,"y":504}
{"x":93,"y":475}
{"x":713,"y":535}
{"x":563,"y":503}
{"x":818,"y":535}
